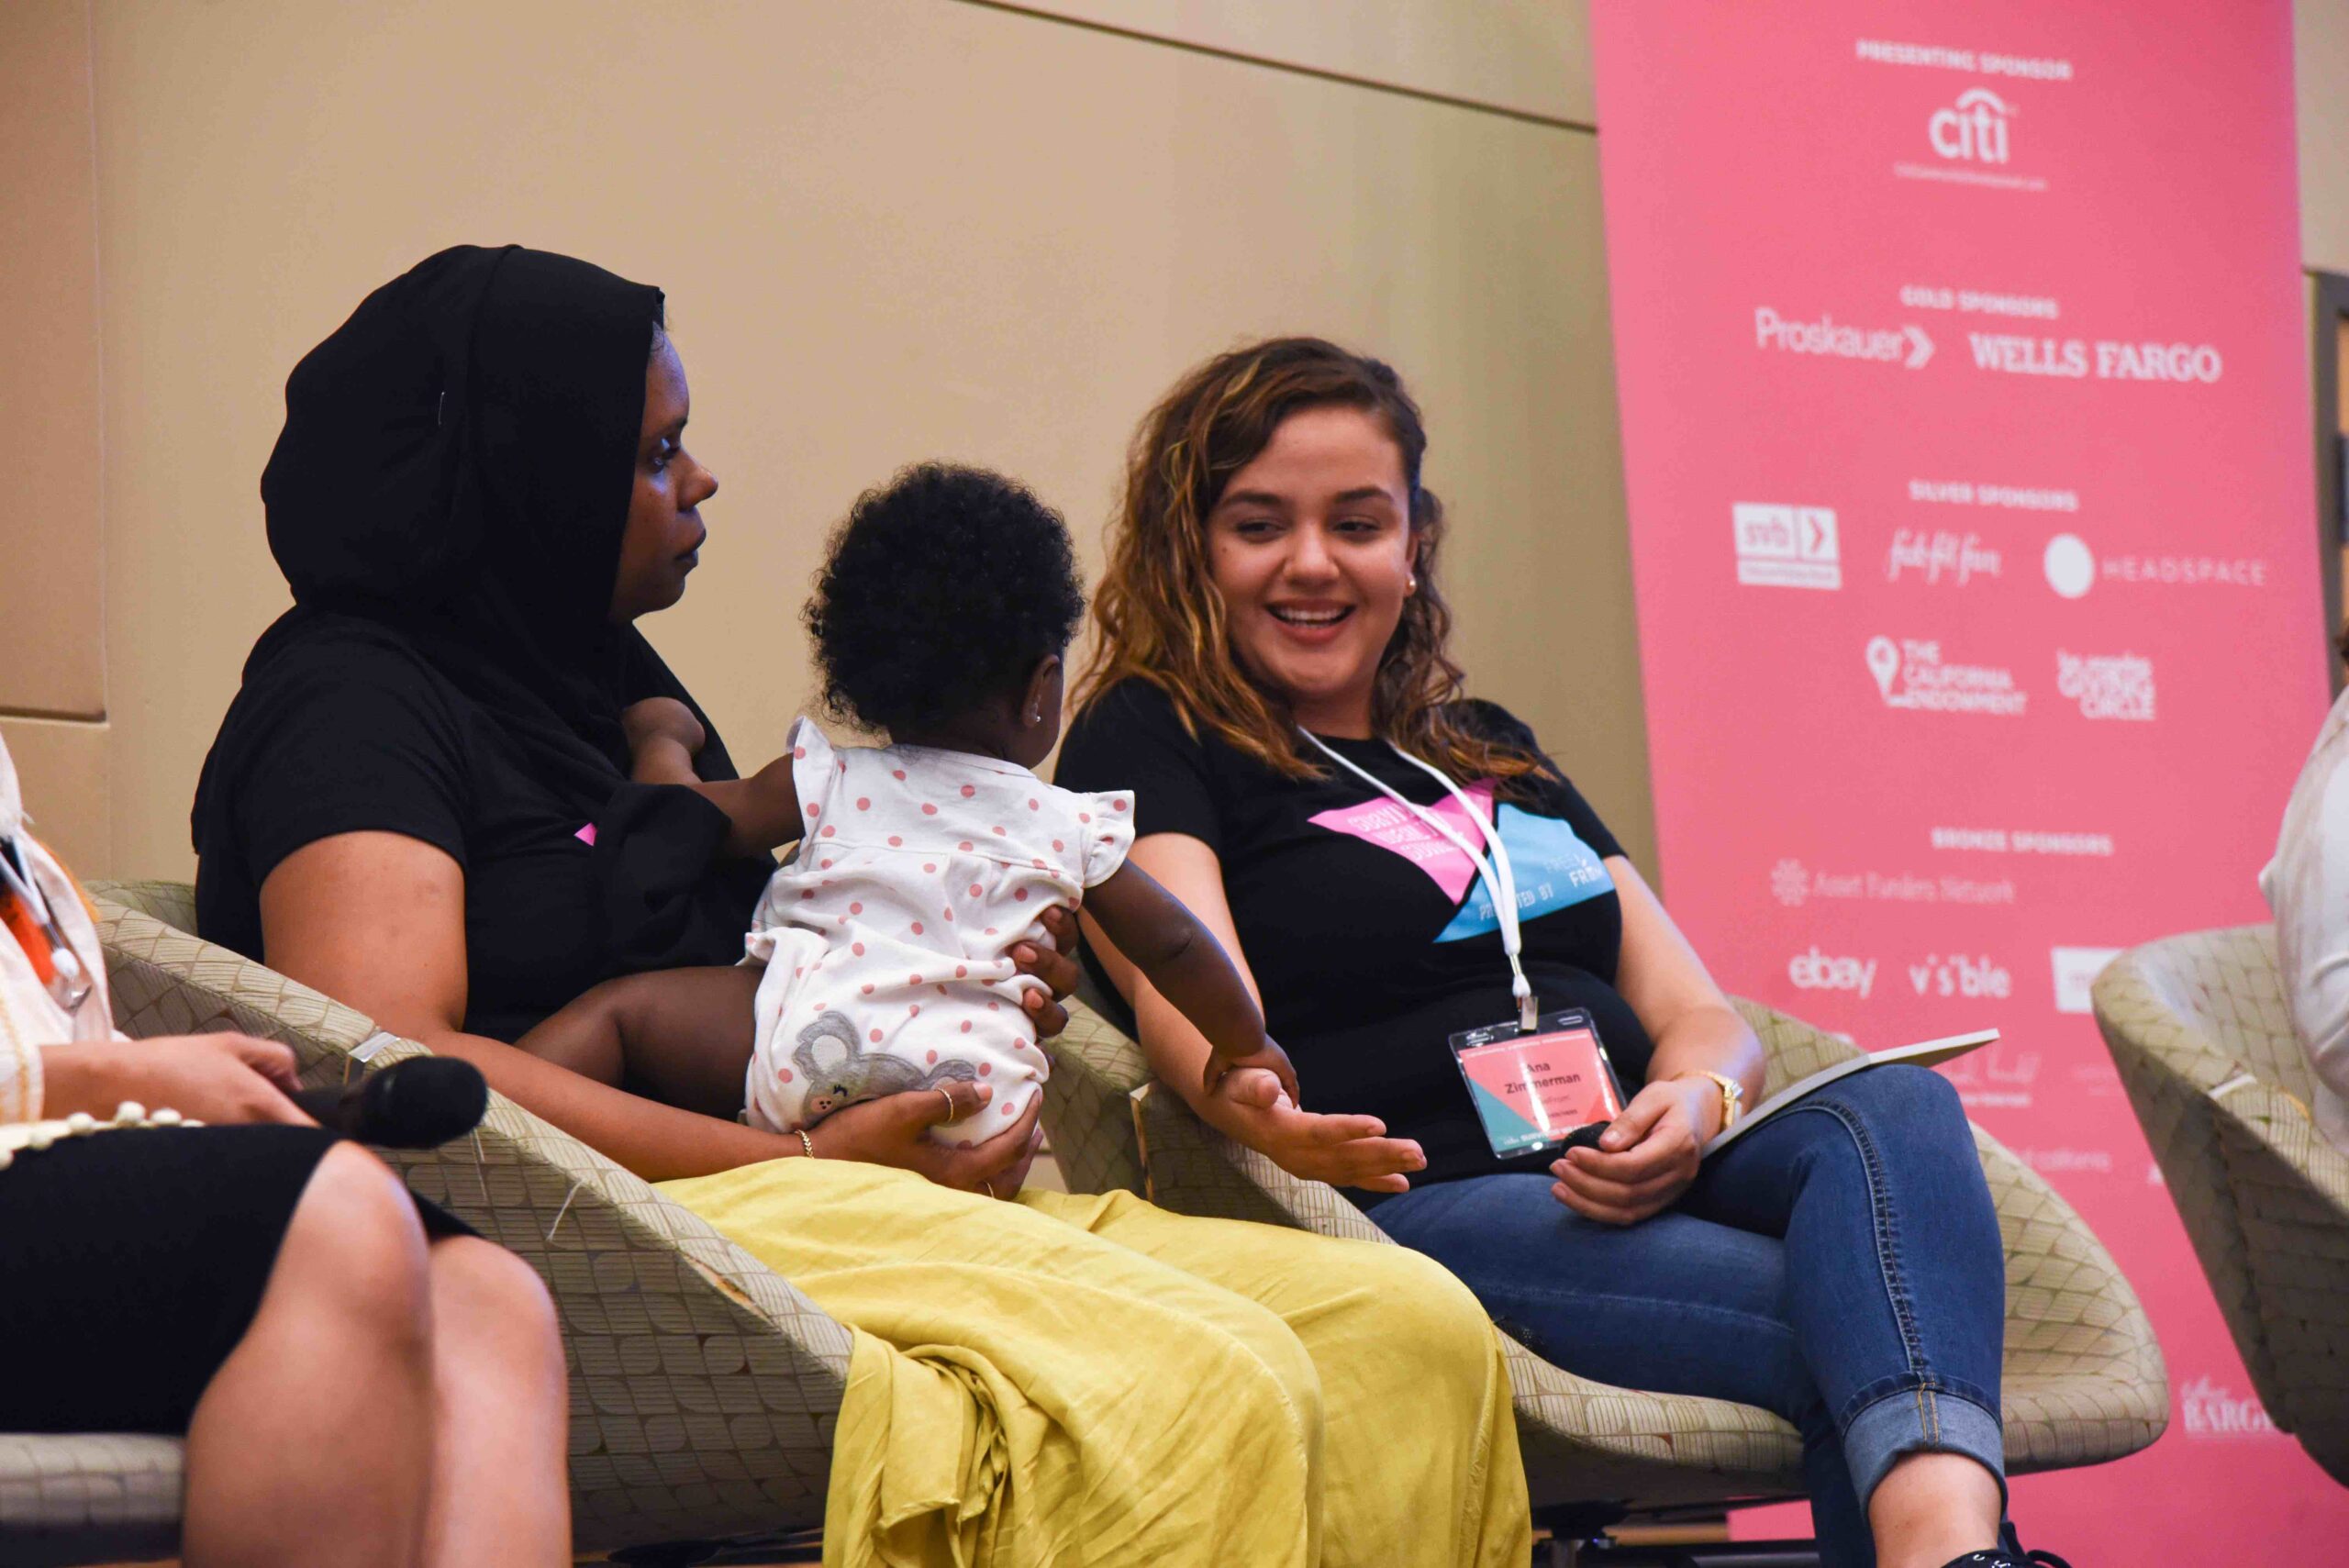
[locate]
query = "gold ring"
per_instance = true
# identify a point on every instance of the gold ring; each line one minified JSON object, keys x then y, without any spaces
{"x":949,"y":1104}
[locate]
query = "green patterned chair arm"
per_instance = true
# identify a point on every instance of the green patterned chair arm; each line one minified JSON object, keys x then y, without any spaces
{"x":77,"y":1498}
{"x":2084,"y":1376}
{"x":2200,"y":1030}
{"x":704,"y":1389}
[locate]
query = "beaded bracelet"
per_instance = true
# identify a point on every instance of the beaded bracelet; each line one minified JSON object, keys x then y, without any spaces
{"x":37,"y":1136}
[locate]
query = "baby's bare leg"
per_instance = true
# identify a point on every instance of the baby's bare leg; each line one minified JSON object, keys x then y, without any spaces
{"x":682,"y":1036}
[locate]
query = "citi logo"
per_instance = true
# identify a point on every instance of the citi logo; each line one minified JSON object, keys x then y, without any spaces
{"x":1815,"y":971}
{"x":1973,"y":128}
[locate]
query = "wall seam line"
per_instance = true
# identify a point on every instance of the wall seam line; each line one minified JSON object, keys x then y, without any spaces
{"x":1551,"y":122}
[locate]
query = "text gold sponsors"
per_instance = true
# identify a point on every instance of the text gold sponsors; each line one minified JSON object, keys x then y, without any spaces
{"x":1794,"y":884}
{"x":1912,"y":673}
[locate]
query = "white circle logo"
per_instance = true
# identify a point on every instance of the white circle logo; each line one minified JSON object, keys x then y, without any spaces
{"x":2071,"y":565}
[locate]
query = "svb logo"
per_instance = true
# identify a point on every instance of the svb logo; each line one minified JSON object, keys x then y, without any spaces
{"x":1974,"y":129}
{"x":1786,"y":547}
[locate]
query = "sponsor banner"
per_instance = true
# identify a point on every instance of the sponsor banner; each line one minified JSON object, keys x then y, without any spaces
{"x":2011,"y":652}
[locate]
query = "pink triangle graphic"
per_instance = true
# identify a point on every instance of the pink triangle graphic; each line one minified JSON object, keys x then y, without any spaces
{"x":1390,"y":827}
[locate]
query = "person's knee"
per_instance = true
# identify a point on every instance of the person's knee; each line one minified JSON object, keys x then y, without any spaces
{"x":487,"y":1301}
{"x":1901,"y":1100}
{"x":1421,"y":1304}
{"x":354,"y":1252}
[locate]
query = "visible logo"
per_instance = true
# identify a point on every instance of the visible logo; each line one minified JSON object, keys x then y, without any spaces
{"x":1785,"y":547}
{"x":1940,"y":553}
{"x":1910,"y":673}
{"x":2076,"y":972}
{"x":2115,"y":686}
{"x":1815,"y":971}
{"x":1973,"y":128}
{"x":2212,"y":1410}
{"x":1958,"y":975}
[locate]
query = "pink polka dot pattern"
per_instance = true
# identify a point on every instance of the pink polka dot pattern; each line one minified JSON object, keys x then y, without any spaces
{"x":896,"y":842}
{"x":968,"y":791}
{"x":875,"y":1037}
{"x":865,"y":802}
{"x":917,"y":927}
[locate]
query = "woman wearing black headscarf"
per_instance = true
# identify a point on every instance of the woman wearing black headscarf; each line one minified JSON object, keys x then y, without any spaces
{"x":420,"y":801}
{"x":420,"y":805}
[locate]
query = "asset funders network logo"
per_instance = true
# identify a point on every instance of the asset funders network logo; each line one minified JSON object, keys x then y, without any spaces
{"x":1787,"y":546}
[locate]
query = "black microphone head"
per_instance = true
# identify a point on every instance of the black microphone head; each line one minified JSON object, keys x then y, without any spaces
{"x":421,"y":1103}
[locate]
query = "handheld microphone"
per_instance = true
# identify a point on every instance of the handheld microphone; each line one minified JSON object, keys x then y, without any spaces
{"x":421,"y":1103}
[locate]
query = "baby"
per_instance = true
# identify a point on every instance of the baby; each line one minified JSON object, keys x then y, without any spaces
{"x":940,"y":619}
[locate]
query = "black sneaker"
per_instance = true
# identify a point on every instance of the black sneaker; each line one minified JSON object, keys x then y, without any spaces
{"x":2009,"y":1554}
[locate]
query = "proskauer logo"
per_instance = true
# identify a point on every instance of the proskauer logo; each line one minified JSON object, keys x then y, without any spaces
{"x":1815,"y":971}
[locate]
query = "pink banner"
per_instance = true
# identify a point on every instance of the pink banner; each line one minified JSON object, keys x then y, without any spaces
{"x":1965,"y":421}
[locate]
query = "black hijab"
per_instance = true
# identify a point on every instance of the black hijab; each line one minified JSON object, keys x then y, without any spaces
{"x":455,"y":471}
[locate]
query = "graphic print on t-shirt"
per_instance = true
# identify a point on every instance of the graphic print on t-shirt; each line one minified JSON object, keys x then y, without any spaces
{"x":1552,"y":867}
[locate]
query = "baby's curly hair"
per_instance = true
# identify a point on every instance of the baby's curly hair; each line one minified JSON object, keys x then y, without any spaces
{"x":943,"y":588}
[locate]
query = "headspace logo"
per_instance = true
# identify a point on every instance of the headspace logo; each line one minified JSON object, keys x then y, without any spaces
{"x":1911,"y":674}
{"x":1815,"y":971}
{"x":2076,"y":972}
{"x":1785,"y":547}
{"x":2073,"y":568}
{"x":2117,"y":685}
{"x":1939,"y":554}
{"x":1973,"y":128}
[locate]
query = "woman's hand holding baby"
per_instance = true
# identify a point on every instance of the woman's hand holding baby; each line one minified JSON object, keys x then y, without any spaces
{"x":895,"y":1130}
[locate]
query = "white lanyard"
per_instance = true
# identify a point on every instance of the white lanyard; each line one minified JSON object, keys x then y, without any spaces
{"x":72,"y":984}
{"x":1499,"y":879}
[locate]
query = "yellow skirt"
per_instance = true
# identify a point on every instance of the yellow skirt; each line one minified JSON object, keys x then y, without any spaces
{"x":1091,"y":1380}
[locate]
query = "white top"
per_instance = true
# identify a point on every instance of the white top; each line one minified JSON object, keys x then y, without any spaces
{"x":887,"y":939}
{"x":2307,"y":886}
{"x":29,"y":1017}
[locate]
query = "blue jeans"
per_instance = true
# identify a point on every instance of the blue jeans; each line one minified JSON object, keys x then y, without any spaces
{"x":1841,"y":1266}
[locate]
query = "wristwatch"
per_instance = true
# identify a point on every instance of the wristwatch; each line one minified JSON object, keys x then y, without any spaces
{"x":1732,"y":1095}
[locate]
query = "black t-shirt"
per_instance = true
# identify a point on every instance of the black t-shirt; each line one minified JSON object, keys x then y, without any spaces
{"x":1372,"y":939}
{"x":565,"y":884}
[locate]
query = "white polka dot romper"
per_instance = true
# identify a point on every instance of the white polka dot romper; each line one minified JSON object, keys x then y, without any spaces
{"x":888,"y":937}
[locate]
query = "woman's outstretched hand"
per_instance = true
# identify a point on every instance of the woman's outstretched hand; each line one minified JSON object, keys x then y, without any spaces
{"x":1647,"y":1160}
{"x":1054,"y":966}
{"x":895,"y":1130}
{"x":1247,"y":1104}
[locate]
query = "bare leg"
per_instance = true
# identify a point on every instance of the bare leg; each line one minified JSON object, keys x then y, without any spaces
{"x":683,"y":1034}
{"x":497,"y":1492}
{"x":311,"y":1444}
{"x":1932,"y":1507}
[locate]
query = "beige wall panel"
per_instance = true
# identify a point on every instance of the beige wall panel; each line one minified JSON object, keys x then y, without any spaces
{"x":1530,"y":57}
{"x":2320,"y":65}
{"x":888,"y":231}
{"x":63,"y":767}
{"x":52,"y":640}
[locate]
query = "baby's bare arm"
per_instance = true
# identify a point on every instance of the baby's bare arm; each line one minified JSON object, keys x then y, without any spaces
{"x":682,"y":1036}
{"x":1186,"y":965}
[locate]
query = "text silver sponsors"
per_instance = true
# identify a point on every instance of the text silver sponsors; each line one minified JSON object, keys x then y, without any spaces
{"x":1785,"y":546}
{"x":1911,"y":674}
{"x":1972,"y":493}
{"x":2107,"y":686}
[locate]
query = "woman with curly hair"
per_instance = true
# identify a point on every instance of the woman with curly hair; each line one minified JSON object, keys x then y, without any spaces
{"x":1395,"y":864}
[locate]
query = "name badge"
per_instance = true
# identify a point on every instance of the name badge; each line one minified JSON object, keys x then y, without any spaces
{"x":1532,"y":1089}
